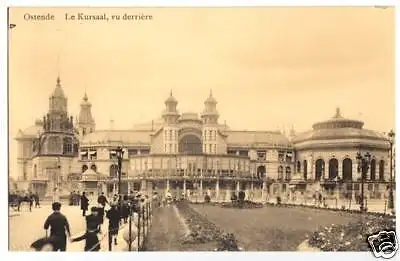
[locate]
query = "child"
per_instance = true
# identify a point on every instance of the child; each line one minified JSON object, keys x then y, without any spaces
{"x":92,"y":228}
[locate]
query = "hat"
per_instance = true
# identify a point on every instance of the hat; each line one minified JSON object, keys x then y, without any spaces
{"x":94,"y":209}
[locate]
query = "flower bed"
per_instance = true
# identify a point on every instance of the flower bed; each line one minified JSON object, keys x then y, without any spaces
{"x":201,"y":230}
{"x":351,"y":237}
{"x":352,"y":211}
{"x":204,"y":231}
{"x":244,"y":204}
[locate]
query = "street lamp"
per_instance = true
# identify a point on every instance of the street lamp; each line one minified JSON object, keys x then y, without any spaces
{"x":119,"y":153}
{"x":391,"y":135}
{"x":363,"y":166}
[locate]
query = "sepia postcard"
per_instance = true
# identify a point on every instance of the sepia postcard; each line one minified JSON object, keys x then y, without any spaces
{"x":202,"y":129}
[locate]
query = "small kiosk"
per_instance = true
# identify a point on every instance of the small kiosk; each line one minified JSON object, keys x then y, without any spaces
{"x":90,"y":182}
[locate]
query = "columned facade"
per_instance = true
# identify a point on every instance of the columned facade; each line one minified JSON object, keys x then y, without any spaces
{"x":192,"y":154}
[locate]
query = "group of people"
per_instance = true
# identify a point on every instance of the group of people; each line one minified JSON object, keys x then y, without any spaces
{"x":74,"y":198}
{"x":120,"y":209}
{"x":15,"y":199}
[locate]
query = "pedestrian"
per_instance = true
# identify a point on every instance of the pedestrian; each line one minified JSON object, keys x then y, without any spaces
{"x":92,"y":242}
{"x":84,"y":203}
{"x":125,"y":208}
{"x":37,"y":199}
{"x":102,"y":200}
{"x":59,"y":227}
{"x":115,"y":198}
{"x":71,"y":199}
{"x":113,"y":215}
{"x":78,"y":197}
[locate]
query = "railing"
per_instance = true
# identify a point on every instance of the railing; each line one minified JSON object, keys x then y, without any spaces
{"x":135,"y":232}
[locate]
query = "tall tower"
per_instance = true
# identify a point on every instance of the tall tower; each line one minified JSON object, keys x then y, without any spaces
{"x":171,"y":116}
{"x":57,"y":119}
{"x":57,"y":143}
{"x":86,"y":123}
{"x":210,"y":117}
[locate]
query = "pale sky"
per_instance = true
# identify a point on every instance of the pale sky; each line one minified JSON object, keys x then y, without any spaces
{"x":267,"y":67}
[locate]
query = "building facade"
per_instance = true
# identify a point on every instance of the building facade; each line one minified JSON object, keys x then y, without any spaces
{"x":194,"y":154}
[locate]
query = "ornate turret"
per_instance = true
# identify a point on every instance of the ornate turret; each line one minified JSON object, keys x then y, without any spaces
{"x":58,"y":100}
{"x":210,"y":117}
{"x":57,"y":138}
{"x":86,"y":123}
{"x":57,"y":120}
{"x":170,"y":114}
{"x":210,"y":114}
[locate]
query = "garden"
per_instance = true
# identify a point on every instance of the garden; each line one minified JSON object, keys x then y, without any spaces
{"x":202,"y":231}
{"x":352,"y":236}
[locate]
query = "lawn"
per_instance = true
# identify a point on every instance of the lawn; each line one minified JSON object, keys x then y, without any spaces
{"x":271,"y":228}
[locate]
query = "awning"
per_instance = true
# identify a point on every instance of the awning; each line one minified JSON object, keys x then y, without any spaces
{"x":84,"y":152}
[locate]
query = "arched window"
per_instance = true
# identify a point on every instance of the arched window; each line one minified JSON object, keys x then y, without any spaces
{"x":288,"y":173}
{"x":319,"y":169}
{"x":382,"y":170}
{"x":83,"y":131}
{"x":84,"y":168}
{"x":54,"y":144}
{"x":67,"y":145}
{"x":261,"y":172}
{"x":298,"y":166}
{"x":364,"y":171}
{"x":373,"y":169}
{"x":280,"y":172}
{"x":94,"y":168}
{"x":333,"y":168}
{"x":347,"y":171}
{"x":114,"y":171}
{"x":35,"y":171}
{"x":305,"y":169}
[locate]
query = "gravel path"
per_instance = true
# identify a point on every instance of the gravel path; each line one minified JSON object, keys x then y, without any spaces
{"x":166,"y":231}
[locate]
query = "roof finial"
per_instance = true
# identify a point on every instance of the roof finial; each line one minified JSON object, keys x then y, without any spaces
{"x":58,"y":80}
{"x":85,"y":98}
{"x":170,"y":93}
{"x":210,"y":92}
{"x":337,"y":112}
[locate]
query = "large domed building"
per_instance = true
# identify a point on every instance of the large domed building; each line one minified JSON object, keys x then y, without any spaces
{"x":328,"y":154}
{"x":193,"y":153}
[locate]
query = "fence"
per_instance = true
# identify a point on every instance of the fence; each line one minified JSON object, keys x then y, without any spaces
{"x":135,"y":231}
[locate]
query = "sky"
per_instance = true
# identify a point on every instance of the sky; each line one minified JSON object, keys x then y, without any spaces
{"x":268,"y":68}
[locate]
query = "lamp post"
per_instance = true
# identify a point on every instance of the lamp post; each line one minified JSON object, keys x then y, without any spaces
{"x":363,"y":166}
{"x":391,"y":135}
{"x":119,"y":153}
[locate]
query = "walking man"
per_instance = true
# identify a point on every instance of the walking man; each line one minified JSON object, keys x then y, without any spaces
{"x":59,"y":227}
{"x":102,"y":200}
{"x":84,"y":204}
{"x":36,"y":197}
{"x":113,"y":215}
